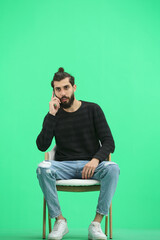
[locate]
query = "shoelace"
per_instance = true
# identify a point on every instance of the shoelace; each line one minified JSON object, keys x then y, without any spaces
{"x":58,"y":225}
{"x":98,"y":228}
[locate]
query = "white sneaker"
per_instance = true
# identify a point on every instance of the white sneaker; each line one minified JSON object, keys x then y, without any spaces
{"x":59,"y":230}
{"x":95,"y":232}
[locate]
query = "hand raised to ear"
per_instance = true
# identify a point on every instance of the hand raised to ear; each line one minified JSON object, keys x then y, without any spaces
{"x":54,"y":105}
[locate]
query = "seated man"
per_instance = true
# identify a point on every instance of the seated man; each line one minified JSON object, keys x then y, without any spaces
{"x":78,"y":127}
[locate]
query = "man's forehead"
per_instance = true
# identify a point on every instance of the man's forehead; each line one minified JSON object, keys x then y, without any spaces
{"x":62,"y":83}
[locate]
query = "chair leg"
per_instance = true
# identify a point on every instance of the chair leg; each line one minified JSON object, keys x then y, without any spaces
{"x":110,"y":221}
{"x":49,"y":221}
{"x":44,"y":219}
{"x":106,"y":225}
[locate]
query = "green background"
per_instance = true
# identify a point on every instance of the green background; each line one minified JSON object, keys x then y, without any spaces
{"x":112,"y":48}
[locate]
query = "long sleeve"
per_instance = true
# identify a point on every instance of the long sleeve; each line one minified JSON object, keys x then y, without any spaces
{"x":47,"y":133}
{"x":104,"y":135}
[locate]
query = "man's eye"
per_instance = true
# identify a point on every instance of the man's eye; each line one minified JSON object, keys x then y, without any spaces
{"x":66,"y":87}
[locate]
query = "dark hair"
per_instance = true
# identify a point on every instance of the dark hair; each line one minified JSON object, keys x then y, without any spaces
{"x":58,"y":76}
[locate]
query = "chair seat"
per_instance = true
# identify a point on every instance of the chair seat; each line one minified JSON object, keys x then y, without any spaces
{"x":77,"y":182}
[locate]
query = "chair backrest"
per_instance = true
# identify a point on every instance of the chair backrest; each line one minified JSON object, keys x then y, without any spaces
{"x":51,"y":154}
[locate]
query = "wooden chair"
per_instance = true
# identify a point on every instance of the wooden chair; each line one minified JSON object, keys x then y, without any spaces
{"x":87,"y":186}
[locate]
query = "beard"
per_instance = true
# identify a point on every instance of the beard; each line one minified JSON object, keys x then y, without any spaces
{"x":68,"y":103}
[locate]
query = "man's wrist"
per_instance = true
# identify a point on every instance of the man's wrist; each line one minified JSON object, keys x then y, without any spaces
{"x":96,"y":159}
{"x":52,"y":114}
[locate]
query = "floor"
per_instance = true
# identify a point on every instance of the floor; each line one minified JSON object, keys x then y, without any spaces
{"x":81,"y":234}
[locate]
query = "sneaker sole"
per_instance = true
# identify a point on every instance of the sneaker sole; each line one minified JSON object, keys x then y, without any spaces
{"x":53,"y":238}
{"x":91,"y":238}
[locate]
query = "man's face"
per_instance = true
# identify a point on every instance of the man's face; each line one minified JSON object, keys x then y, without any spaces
{"x":65,"y":92}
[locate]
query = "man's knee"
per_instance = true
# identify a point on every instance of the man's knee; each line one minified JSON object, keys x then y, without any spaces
{"x":43,"y":168}
{"x":112,"y":168}
{"x":44,"y":164}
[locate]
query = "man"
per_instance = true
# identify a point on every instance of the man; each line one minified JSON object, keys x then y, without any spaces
{"x":79,"y":127}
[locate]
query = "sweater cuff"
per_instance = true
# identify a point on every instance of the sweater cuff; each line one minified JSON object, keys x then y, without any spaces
{"x":101,"y":159}
{"x":50,"y":116}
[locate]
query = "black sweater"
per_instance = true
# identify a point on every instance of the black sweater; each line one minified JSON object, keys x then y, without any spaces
{"x":80,"y":135}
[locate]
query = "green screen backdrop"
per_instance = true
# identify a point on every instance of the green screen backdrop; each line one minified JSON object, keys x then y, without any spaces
{"x":112,"y":48}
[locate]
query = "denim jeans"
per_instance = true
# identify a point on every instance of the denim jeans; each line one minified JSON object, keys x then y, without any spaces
{"x":50,"y":171}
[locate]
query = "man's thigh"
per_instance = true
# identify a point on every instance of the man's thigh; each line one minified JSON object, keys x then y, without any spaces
{"x":65,"y":169}
{"x":68,"y":169}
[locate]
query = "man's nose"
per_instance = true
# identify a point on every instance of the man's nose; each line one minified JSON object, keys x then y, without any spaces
{"x":63,"y":93}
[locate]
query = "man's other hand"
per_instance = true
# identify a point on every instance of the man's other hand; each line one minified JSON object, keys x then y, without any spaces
{"x":89,"y":168}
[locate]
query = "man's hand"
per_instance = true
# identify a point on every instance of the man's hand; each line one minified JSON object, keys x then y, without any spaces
{"x":54,"y":105}
{"x":89,"y":168}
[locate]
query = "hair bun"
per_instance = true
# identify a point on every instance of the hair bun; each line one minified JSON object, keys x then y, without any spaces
{"x":61,"y":69}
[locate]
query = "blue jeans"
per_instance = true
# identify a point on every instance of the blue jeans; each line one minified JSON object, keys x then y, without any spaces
{"x":50,"y":171}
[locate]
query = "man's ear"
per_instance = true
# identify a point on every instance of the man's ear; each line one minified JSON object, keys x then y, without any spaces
{"x":74,"y":86}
